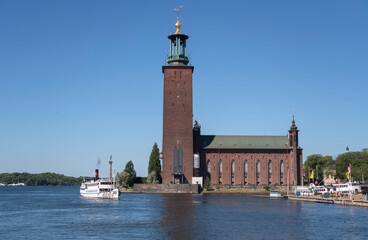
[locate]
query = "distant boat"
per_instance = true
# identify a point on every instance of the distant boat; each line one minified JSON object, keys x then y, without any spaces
{"x":15,"y":184}
{"x":99,"y":188}
{"x":275,"y":194}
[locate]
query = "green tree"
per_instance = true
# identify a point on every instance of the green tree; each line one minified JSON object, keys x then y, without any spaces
{"x":359,"y":165}
{"x":154,"y":164}
{"x":318,"y":163}
{"x":129,"y":168}
{"x":207,"y":183}
{"x":123,"y":179}
{"x":152,"y":178}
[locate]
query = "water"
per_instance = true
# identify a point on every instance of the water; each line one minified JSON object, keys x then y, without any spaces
{"x":60,"y":213}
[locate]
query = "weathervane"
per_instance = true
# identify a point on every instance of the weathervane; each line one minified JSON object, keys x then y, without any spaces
{"x":178,"y":24}
{"x":178,"y":10}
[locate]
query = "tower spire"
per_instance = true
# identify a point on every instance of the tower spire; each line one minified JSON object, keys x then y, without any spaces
{"x":178,"y":24}
{"x":178,"y":46}
{"x":293,"y":126}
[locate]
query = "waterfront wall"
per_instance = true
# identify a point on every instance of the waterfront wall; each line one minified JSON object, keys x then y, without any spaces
{"x":167,"y":188}
{"x":330,"y":200}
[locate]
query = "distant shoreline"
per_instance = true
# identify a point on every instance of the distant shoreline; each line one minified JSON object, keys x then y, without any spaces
{"x":40,"y":179}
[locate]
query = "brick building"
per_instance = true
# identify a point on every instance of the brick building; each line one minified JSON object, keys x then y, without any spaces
{"x":227,"y":160}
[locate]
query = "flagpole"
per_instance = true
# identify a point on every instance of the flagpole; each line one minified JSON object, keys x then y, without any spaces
{"x":350,"y":184}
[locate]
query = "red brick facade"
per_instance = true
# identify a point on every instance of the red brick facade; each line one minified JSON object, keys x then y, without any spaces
{"x":180,"y":140}
{"x":177,"y":122}
{"x":240,"y":156}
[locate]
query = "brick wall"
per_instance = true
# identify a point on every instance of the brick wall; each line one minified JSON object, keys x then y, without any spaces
{"x":177,"y":121}
{"x":166,"y":188}
{"x":252,"y":156}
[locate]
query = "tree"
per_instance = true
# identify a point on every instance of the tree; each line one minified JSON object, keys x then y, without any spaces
{"x":318,"y":164}
{"x":129,"y":168}
{"x":154,"y":164}
{"x":359,"y":165}
{"x":207,"y":183}
{"x":124,"y":179}
{"x":152,"y":178}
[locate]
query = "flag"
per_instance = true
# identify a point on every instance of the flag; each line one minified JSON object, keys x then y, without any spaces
{"x":311,"y":175}
{"x":303,"y":173}
{"x":349,"y":169}
{"x":347,"y":175}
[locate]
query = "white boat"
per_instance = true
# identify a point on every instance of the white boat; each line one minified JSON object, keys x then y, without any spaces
{"x":346,"y":188}
{"x":275,"y":194}
{"x":320,"y":190}
{"x":99,"y":188}
{"x":17,"y":184}
{"x":305,"y":190}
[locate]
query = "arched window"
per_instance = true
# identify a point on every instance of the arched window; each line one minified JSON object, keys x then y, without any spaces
{"x":258,"y":167}
{"x":269,"y":172}
{"x":180,"y":159}
{"x":282,"y":172}
{"x":232,"y":171}
{"x":269,"y":168}
{"x":245,"y":167}
{"x":220,"y":167}
{"x":175,"y":159}
{"x":282,"y":167}
{"x":208,"y":167}
{"x":232,"y":167}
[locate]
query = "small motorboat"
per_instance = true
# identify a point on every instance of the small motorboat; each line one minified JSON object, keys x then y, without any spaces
{"x":275,"y":194}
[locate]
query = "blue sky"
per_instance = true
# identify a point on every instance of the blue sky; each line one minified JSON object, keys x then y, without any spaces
{"x":80,"y":80}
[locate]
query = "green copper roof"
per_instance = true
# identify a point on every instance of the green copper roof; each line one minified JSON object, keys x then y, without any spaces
{"x":244,"y":142}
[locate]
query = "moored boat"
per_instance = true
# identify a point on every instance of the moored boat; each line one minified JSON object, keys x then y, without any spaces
{"x":275,"y":194}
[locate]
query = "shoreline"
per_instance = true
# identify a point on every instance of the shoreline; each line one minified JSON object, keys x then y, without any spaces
{"x":343,"y":202}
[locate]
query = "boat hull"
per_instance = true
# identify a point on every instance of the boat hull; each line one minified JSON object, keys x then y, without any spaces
{"x":114,"y":194}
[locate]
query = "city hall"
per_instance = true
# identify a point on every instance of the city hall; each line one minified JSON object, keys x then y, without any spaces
{"x":228,"y":160}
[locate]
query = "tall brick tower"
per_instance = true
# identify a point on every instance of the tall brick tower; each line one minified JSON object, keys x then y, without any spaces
{"x":296,"y":174}
{"x":177,"y":139}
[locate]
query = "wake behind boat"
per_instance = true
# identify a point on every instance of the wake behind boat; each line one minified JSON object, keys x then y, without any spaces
{"x":99,"y":187}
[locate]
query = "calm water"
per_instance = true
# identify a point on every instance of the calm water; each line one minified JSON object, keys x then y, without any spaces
{"x":60,"y":213}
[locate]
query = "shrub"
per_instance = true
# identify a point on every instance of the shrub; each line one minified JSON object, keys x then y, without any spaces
{"x":207,"y":184}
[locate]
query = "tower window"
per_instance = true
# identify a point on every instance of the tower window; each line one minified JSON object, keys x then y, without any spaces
{"x":220,"y":167}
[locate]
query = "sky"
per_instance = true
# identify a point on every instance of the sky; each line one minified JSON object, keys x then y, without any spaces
{"x":82,"y":80}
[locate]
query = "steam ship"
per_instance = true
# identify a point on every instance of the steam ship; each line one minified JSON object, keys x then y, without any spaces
{"x":100,"y":188}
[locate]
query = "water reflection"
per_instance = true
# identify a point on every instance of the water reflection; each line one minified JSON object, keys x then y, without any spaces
{"x":178,"y":214}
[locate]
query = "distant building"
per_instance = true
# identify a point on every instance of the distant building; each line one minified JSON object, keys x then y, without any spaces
{"x":227,"y":160}
{"x":329,"y":176}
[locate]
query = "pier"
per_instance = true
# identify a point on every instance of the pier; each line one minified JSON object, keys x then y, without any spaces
{"x":340,"y":201}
